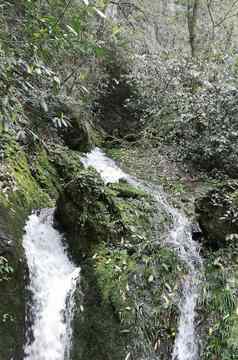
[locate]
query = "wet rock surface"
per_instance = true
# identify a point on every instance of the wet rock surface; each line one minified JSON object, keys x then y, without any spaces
{"x":196,"y":232}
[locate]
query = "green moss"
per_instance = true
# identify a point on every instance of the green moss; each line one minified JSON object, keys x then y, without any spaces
{"x":137,"y":270}
{"x":25,"y":191}
{"x":113,"y":270}
{"x":142,"y":289}
{"x":97,"y":329}
{"x":116,"y":153}
{"x":125,"y":190}
{"x":67,"y":162}
{"x":97,"y":136}
{"x":133,"y":280}
{"x":45,"y":173}
{"x":219,"y":305}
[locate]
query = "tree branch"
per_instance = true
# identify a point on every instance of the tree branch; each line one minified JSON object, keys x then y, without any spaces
{"x":227,"y":15}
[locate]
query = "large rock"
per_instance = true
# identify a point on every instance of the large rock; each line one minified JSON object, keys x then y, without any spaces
{"x":217,"y":214}
{"x":128,"y":287}
{"x":87,"y":213}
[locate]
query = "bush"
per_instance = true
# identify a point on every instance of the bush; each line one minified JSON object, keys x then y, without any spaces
{"x":192,"y":105}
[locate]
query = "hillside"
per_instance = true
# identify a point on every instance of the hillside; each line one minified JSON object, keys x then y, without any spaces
{"x":118,"y":157}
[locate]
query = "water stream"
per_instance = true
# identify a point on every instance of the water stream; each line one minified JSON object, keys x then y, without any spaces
{"x":180,"y":238}
{"x":53,"y":279}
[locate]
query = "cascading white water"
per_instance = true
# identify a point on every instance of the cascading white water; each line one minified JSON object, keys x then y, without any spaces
{"x":106,"y":167}
{"x":53,"y":279}
{"x":180,"y":238}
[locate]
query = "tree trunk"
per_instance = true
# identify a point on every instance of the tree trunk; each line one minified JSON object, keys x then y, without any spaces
{"x":192,"y":17}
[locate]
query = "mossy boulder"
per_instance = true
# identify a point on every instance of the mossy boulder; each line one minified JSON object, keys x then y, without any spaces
{"x":66,"y":162}
{"x":126,"y":302}
{"x":217,"y":214}
{"x":87,"y":213}
{"x":12,"y":293}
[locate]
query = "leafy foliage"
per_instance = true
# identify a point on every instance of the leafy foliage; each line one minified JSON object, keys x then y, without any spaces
{"x":5,"y":269}
{"x":220,"y":305}
{"x":192,"y":105}
{"x":53,"y":53}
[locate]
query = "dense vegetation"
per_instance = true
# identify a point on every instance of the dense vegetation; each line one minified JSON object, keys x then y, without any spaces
{"x":155,"y":84}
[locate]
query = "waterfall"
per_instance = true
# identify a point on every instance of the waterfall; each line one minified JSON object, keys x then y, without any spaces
{"x":179,"y":238}
{"x":53,"y":279}
{"x":106,"y":167}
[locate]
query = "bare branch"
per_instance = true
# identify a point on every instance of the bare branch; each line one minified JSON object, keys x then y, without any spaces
{"x":209,"y":2}
{"x":227,"y":15}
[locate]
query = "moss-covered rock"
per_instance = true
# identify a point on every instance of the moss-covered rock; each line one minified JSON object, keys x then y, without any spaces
{"x":87,"y":213}
{"x":217,"y":213}
{"x":61,"y":121}
{"x":129,"y":282}
{"x":12,"y":293}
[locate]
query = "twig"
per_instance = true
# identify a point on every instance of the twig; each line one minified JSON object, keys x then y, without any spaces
{"x":63,"y":13}
{"x":226,"y":16}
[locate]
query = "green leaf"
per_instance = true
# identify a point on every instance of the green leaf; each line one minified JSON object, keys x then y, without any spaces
{"x":99,"y":52}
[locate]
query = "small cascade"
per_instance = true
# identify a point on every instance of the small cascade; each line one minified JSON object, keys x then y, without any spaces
{"x":179,"y":238}
{"x":53,"y":279}
{"x":106,"y":167}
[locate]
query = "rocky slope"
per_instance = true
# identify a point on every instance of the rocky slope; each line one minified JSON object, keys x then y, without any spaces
{"x":127,"y":301}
